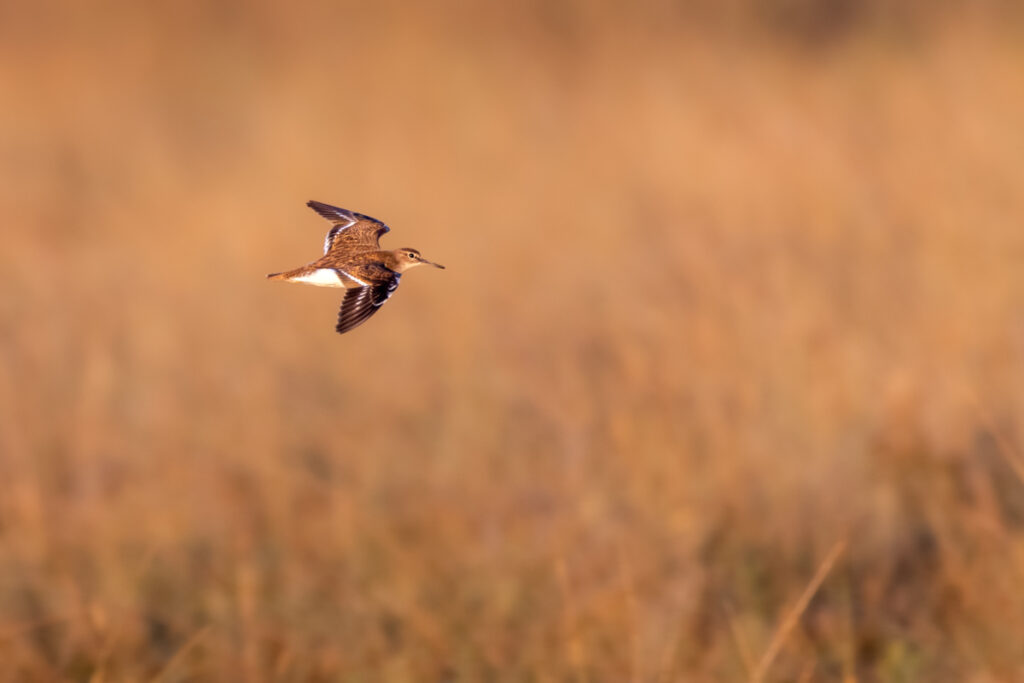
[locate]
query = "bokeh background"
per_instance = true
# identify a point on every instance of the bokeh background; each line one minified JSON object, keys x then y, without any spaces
{"x":724,"y":380}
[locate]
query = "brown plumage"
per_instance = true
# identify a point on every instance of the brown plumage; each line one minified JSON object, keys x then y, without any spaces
{"x":354,"y":260}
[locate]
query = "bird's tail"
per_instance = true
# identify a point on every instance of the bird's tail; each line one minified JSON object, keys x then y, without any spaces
{"x":287,"y":275}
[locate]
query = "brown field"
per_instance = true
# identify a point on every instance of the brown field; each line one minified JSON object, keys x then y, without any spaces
{"x":724,"y":380}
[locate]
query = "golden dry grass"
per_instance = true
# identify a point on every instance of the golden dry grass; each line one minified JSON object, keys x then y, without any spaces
{"x":727,"y":288}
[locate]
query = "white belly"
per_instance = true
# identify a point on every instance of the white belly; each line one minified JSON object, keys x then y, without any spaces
{"x":322,"y":277}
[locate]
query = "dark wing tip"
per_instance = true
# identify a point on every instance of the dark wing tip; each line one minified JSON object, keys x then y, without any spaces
{"x":362,"y":302}
{"x":320,"y":207}
{"x":348,"y":324}
{"x":334,"y":214}
{"x":356,"y":307}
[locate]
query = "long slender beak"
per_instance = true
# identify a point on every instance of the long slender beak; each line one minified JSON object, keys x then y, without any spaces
{"x":436,"y":265}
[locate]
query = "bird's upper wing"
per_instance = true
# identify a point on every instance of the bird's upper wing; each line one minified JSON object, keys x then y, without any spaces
{"x":350,"y":229}
{"x":362,"y":302}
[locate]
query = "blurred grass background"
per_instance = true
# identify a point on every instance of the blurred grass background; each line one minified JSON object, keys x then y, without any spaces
{"x":728,"y":284}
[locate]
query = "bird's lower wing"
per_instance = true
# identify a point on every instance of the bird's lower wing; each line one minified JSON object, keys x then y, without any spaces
{"x":362,"y":302}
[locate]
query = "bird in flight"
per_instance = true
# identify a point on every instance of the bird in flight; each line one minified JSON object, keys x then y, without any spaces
{"x":354,"y":260}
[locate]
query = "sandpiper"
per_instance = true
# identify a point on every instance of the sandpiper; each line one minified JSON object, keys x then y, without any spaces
{"x":354,"y":260}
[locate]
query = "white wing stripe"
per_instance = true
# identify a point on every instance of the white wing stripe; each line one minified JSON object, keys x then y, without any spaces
{"x":353,"y":278}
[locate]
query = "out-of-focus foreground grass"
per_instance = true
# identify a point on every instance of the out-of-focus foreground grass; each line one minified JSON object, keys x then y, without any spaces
{"x":726,"y":286}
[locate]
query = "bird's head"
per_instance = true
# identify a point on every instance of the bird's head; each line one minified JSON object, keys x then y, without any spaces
{"x":406,"y":258}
